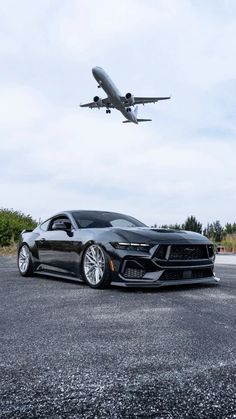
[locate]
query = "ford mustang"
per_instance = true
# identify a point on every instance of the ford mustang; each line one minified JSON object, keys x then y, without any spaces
{"x":103,"y":248}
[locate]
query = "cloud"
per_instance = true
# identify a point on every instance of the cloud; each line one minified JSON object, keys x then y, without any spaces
{"x":54,"y":155}
{"x":82,"y":26}
{"x":20,"y":105}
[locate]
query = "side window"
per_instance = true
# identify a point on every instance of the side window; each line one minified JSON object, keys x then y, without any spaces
{"x":44,"y":226}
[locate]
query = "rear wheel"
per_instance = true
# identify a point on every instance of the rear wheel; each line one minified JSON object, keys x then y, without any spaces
{"x":25,"y":263}
{"x":95,"y":267}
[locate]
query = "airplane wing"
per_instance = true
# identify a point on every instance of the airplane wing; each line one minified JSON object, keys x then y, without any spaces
{"x":142,"y":100}
{"x":104,"y":103}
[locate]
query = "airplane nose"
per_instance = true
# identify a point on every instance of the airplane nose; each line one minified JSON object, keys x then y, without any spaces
{"x":97,"y":71}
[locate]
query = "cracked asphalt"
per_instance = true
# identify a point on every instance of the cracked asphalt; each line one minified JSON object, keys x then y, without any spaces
{"x":68,"y":351}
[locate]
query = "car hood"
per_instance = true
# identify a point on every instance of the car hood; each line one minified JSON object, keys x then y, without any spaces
{"x":154,"y":235}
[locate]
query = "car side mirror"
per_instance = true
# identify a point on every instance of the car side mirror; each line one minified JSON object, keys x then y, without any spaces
{"x":60,"y":225}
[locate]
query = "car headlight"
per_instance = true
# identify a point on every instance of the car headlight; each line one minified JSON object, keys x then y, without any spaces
{"x":139,"y":247}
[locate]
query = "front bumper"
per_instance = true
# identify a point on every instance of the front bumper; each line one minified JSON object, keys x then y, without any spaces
{"x":150,"y":271}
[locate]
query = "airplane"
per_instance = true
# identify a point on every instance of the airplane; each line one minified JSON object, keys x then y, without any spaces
{"x":115,"y":99}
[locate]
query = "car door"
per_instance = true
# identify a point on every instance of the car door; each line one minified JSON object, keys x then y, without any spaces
{"x":58,"y":249}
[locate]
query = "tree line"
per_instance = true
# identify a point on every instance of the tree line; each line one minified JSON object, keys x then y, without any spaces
{"x":13,"y":222}
{"x":214,"y":231}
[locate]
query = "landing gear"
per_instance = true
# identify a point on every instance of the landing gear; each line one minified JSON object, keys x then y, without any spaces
{"x":128,"y":109}
{"x":108,"y":111}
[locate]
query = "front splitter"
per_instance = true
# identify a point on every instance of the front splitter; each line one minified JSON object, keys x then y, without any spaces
{"x":158,"y":283}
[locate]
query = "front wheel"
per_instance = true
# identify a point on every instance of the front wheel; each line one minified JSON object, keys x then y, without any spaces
{"x":25,"y":263}
{"x":95,"y":267}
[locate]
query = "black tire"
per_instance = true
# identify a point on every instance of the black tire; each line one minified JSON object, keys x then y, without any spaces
{"x":24,"y":261}
{"x":95,"y":267}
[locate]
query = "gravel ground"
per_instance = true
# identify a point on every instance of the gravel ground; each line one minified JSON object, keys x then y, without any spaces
{"x":68,"y":351}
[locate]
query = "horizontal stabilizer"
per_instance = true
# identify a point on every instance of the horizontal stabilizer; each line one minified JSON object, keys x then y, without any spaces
{"x":138,"y":120}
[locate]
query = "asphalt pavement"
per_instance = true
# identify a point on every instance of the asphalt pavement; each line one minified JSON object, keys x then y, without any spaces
{"x":68,"y":351}
{"x":225,"y":259}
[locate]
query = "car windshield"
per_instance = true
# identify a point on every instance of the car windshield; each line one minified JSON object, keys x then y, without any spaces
{"x":99,"y":219}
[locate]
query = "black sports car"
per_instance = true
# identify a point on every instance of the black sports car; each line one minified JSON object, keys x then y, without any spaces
{"x":103,"y":248}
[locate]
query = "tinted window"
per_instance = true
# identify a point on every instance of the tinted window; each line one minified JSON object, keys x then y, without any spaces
{"x":97,"y":219}
{"x":121,"y":222}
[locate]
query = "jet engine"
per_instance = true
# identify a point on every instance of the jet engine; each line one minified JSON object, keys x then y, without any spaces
{"x":130,"y":99}
{"x":98,"y":101}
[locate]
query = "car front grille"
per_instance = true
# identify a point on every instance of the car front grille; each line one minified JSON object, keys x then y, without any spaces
{"x":181,"y":252}
{"x":178,"y":274}
{"x":188,"y":252}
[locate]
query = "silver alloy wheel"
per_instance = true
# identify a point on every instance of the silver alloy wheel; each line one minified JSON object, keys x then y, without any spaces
{"x":23,"y":259}
{"x":94,"y":264}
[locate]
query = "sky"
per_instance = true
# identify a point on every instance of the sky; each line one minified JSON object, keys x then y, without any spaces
{"x":55,"y":155}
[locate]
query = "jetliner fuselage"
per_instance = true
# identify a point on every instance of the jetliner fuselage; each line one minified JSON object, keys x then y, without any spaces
{"x":113,"y":93}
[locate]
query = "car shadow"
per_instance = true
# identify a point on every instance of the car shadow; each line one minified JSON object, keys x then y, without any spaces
{"x":59,"y":279}
{"x":136,"y":289}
